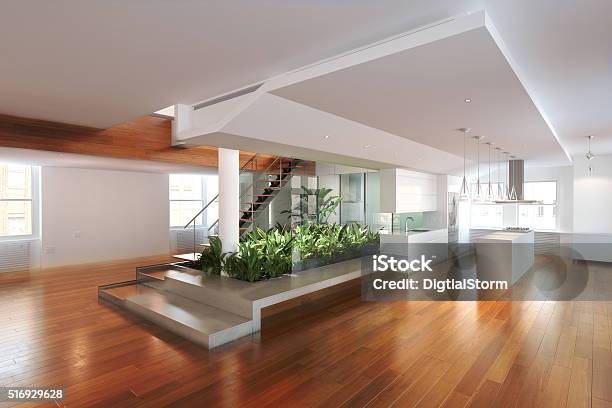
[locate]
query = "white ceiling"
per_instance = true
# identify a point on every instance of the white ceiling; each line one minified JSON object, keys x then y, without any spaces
{"x":420,"y":94}
{"x":100,"y":63}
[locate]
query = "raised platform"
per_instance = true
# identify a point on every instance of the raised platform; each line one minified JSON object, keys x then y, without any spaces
{"x":214,"y":310}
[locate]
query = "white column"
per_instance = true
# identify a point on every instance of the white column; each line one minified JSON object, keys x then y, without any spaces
{"x":229,"y":196}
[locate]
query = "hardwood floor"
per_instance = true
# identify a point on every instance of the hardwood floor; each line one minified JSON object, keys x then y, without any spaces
{"x":452,"y":354}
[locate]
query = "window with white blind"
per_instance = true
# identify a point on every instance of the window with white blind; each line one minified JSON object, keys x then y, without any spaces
{"x":189,"y":193}
{"x":18,"y":201}
{"x":543,"y":214}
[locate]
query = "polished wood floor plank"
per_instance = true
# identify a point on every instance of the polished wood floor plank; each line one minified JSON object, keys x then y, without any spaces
{"x":453,"y":354}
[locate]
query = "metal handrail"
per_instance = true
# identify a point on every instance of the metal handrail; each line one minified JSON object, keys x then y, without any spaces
{"x":213,"y":224}
{"x":277,"y":158}
{"x":201,"y":211}
{"x":242,"y":168}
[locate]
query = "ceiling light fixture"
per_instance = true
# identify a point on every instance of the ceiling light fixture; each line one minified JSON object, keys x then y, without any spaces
{"x":467,"y":100}
{"x":464,"y":193}
{"x":589,"y":155}
{"x":512,"y":189}
{"x":507,"y":176}
{"x":366,"y":146}
{"x":490,"y":193}
{"x":326,"y":137}
{"x":500,"y":186}
{"x":477,"y":197}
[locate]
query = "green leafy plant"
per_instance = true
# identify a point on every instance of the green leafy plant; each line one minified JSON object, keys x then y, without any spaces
{"x":246,"y":264}
{"x":265,"y":254}
{"x":325,"y":204}
{"x":212,"y":257}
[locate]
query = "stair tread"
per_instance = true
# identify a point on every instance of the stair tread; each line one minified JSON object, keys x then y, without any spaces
{"x":159,"y":275}
{"x":191,"y":256}
{"x":198,"y":316}
{"x":123,"y":292}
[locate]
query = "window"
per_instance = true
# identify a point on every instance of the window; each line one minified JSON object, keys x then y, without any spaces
{"x":487,"y":216}
{"x":18,"y":186}
{"x":542,"y":215}
{"x":189,"y":193}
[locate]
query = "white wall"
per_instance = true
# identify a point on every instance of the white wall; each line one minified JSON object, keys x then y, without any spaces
{"x":96,"y":215}
{"x":593,"y":195}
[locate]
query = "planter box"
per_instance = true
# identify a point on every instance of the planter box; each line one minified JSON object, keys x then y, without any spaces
{"x":312,"y":263}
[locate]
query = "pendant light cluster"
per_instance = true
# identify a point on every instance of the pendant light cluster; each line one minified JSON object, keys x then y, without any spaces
{"x":500,"y":185}
{"x":512,"y":195}
{"x":490,"y":193}
{"x":464,"y":193}
{"x":503,"y":190}
{"x":477,"y":197}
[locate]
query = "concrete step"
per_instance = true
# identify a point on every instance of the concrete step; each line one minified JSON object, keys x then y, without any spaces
{"x":200,"y":323}
{"x":222,"y":293}
{"x":190,"y":256}
{"x":118,"y":294}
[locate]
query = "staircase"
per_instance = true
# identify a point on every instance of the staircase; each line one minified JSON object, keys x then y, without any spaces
{"x":254,"y":200}
{"x":264,"y":189}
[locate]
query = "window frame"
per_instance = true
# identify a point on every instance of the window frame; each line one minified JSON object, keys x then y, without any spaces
{"x":202,"y":200}
{"x":35,"y":206}
{"x":555,"y":206}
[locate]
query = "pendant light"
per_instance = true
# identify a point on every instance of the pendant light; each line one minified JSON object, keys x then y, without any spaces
{"x":589,"y":155}
{"x":500,"y":187}
{"x":490,"y":193}
{"x":507,"y":176}
{"x":512,"y":189}
{"x":464,"y":193}
{"x":477,"y":197}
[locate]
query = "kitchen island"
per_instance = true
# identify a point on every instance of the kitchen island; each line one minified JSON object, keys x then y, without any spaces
{"x":504,"y":255}
{"x":433,"y":243}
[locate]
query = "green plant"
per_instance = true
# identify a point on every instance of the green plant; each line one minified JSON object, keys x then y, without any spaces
{"x":246,"y":264}
{"x":212,"y":256}
{"x":275,"y":246}
{"x":268,"y":253}
{"x":325,"y":206}
{"x":324,"y":241}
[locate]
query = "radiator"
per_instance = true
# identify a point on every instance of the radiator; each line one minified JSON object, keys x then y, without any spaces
{"x":184,"y":239}
{"x":14,"y":255}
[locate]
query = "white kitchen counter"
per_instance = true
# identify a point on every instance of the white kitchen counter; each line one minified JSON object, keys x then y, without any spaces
{"x":413,"y":244}
{"x":504,"y":255}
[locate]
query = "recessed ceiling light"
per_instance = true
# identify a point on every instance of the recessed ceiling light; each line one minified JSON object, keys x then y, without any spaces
{"x":326,"y":137}
{"x":366,"y":146}
{"x":467,"y":100}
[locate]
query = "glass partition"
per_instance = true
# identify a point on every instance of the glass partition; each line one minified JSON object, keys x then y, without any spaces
{"x":352,"y":206}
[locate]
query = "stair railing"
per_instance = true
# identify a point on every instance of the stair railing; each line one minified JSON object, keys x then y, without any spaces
{"x":252,"y":161}
{"x":265,"y":177}
{"x":266,"y":173}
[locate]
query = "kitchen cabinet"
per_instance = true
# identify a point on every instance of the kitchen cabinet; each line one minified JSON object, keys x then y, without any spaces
{"x":404,"y":191}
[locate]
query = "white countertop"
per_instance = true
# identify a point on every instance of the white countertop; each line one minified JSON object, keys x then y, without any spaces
{"x":507,"y":236}
{"x":437,"y":235}
{"x":402,"y":233}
